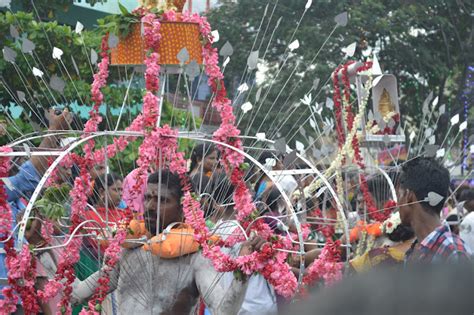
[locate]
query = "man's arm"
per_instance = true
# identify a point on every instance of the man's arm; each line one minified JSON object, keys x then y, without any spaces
{"x":56,"y":123}
{"x":218,"y":297}
{"x":31,"y":171}
{"x":83,"y":290}
{"x":220,"y":300}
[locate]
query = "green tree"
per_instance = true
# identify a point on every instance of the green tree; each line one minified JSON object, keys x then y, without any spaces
{"x":426,"y":44}
{"x":47,"y":9}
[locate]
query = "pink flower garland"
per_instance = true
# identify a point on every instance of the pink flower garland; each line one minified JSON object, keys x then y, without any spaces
{"x":47,"y":230}
{"x":79,"y":193}
{"x":5,"y":211}
{"x":112,"y":254}
{"x":270,"y":262}
{"x":147,"y":151}
{"x":327,"y":267}
{"x":8,"y":304}
{"x":149,"y":148}
{"x":21,"y":266}
{"x":369,"y":201}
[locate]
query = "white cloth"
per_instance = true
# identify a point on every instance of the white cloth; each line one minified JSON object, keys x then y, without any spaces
{"x":466,"y":231}
{"x":288,"y":183}
{"x":260,"y":297}
{"x":147,"y":284}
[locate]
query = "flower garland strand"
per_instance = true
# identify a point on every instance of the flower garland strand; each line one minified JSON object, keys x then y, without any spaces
{"x":347,"y":95}
{"x":148,"y":149}
{"x":327,"y":267}
{"x":352,"y":146}
{"x":112,"y":256}
{"x":21,"y":266}
{"x":372,"y":210}
{"x":269,"y":262}
{"x":10,"y":300}
{"x":147,"y":154}
{"x":79,"y":194}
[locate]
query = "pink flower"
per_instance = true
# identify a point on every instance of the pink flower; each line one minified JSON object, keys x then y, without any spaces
{"x":51,"y":289}
{"x":152,"y":72}
{"x":151,"y":31}
{"x":5,"y":161}
{"x":248,"y":264}
{"x":327,"y":267}
{"x":47,"y":230}
{"x":170,"y":15}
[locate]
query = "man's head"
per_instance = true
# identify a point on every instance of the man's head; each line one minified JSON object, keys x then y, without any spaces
{"x":163,"y":200}
{"x":467,"y":196}
{"x":107,"y":187}
{"x":420,"y":177}
{"x":216,"y":193}
{"x":270,"y":158}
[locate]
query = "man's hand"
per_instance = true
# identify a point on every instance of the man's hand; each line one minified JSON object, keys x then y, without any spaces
{"x":251,"y":245}
{"x":56,"y":122}
{"x":33,"y":229}
{"x":60,"y":122}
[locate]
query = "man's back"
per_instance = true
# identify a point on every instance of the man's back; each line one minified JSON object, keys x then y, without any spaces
{"x":147,"y":284}
{"x":441,"y":245}
{"x":150,"y":284}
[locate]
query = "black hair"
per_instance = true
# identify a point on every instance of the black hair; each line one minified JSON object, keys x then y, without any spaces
{"x":218,"y":186}
{"x":200,"y":152}
{"x":401,"y":233}
{"x":201,"y":183}
{"x":170,"y":179}
{"x":378,"y":187}
{"x":394,"y":176}
{"x":467,"y":195}
{"x":263,"y":160}
{"x":423,"y":175}
{"x":223,"y":189}
{"x":273,"y":199}
{"x":99,"y":184}
{"x":267,"y":155}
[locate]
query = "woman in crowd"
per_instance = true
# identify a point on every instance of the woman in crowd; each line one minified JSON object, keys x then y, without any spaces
{"x":204,"y":159}
{"x":264,"y":184}
{"x":401,"y":237}
{"x":107,"y":210}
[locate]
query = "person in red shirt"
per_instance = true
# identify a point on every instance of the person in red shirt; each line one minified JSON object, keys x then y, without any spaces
{"x":107,"y":208}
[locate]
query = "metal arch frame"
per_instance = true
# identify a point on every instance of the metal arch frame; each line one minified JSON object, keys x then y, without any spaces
{"x":190,"y":136}
{"x":187,"y":135}
{"x":389,"y":181}
{"x":38,"y":135}
{"x":39,"y":187}
{"x":62,"y":155}
{"x":386,"y":176}
{"x":277,"y":185}
{"x":339,"y":206}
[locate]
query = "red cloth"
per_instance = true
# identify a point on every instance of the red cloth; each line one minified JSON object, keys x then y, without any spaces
{"x":114,"y":216}
{"x":202,"y":307}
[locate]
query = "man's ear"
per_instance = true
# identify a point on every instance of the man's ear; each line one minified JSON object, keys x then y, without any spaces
{"x":411,"y":197}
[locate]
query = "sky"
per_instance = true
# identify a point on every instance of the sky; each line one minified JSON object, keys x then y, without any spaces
{"x":111,"y":6}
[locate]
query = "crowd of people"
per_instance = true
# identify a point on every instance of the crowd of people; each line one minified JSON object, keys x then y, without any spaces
{"x":432,"y":223}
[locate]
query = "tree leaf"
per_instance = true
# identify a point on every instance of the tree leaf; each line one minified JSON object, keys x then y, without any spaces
{"x":123,"y":9}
